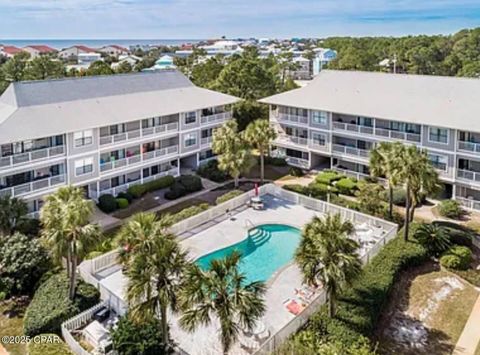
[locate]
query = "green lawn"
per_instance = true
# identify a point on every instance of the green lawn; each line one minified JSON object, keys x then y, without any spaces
{"x":11,"y":323}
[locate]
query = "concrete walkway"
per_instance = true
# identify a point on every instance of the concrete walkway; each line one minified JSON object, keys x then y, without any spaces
{"x":470,"y":337}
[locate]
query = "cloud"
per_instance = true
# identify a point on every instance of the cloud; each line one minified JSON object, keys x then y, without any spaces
{"x":208,"y":18}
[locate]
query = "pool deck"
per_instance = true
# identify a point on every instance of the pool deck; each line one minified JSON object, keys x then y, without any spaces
{"x":222,"y":233}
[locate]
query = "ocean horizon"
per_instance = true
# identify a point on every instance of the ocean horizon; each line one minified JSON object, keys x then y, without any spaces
{"x":95,"y":43}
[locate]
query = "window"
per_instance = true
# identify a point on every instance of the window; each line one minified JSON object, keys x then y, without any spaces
{"x":190,"y":139}
{"x":438,"y":161}
{"x":319,"y":117}
{"x":438,"y":135}
{"x":83,"y":166}
{"x":83,"y":138}
{"x":206,"y":154}
{"x":365,"y":121}
{"x":190,"y":117}
{"x":319,"y":139}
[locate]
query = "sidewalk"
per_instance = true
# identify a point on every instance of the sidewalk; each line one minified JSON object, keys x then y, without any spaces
{"x":470,"y":337}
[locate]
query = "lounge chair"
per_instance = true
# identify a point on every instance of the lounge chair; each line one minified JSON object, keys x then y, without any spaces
{"x":293,"y":306}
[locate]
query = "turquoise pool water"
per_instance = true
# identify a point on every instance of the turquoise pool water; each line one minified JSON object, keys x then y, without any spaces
{"x":267,"y":248}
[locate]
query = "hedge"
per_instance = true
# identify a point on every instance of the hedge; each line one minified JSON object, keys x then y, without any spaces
{"x":458,"y":257}
{"x":210,"y":171}
{"x":327,"y":177}
{"x":299,"y":189}
{"x":360,"y":306}
{"x":107,"y":203}
{"x":346,"y":186}
{"x":139,"y":190}
{"x":275,"y":161}
{"x":126,"y":195}
{"x":228,"y":196}
{"x":51,"y":344}
{"x":183,"y":185}
{"x":450,"y":209}
{"x":50,"y":305}
{"x":295,"y":171}
{"x":189,"y":212}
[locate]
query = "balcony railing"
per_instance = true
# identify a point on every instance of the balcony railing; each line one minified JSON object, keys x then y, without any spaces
{"x":216,"y":118}
{"x":33,"y":186}
{"x":206,"y":141}
{"x":285,"y":117}
{"x":412,"y":137}
{"x":468,"y":175}
{"x":469,"y":146}
{"x":468,"y":202}
{"x":345,"y":150}
{"x":301,"y":163}
{"x":357,"y":175}
{"x":314,"y":145}
{"x":286,"y":139}
{"x":340,"y":126}
{"x":122,"y":188}
{"x":136,"y":159}
{"x":138,"y":133}
{"x":28,"y":157}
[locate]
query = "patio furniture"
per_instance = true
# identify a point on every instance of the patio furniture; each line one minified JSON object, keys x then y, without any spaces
{"x":305,"y":293}
{"x":95,"y":333}
{"x":249,"y":343}
{"x":257,"y":203}
{"x":102,"y":314}
{"x":293,"y":306}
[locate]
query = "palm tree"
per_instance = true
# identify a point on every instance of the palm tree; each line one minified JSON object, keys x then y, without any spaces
{"x":66,"y":228}
{"x":327,"y":255}
{"x":155,"y":269}
{"x":222,"y":291}
{"x":234,"y":155}
{"x":384,"y":161}
{"x":419,"y":176}
{"x":139,"y":232}
{"x":13,"y":212}
{"x":433,"y":237}
{"x":259,"y":134}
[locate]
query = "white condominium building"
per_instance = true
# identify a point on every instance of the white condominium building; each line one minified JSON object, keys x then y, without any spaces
{"x":341,"y":115}
{"x":103,"y":133}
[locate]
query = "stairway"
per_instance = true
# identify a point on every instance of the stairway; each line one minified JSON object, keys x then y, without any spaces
{"x":259,"y":236}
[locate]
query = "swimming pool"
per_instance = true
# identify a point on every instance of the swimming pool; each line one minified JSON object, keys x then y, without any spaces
{"x":267,"y":248}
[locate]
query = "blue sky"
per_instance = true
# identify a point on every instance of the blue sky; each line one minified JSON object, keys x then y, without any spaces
{"x":192,"y":19}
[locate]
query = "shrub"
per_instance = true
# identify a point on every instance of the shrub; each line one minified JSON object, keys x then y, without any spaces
{"x":126,"y":195}
{"x":457,"y":257}
{"x":459,"y":234}
{"x":300,"y":189}
{"x":346,"y":186}
{"x":320,"y":191}
{"x":399,"y":197}
{"x":107,"y":203}
{"x":23,"y":261}
{"x":327,"y":177}
{"x":30,"y":227}
{"x":130,"y":338}
{"x":176,"y":191}
{"x":50,"y":305}
{"x":52,"y":344}
{"x":369,"y":197}
{"x":359,"y":306}
{"x":183,"y":185}
{"x":228,"y":196}
{"x":450,"y":209}
{"x":137,"y":191}
{"x":210,"y":171}
{"x":471,"y":275}
{"x":122,"y":203}
{"x":158,"y":184}
{"x":189,"y":212}
{"x":433,"y":237}
{"x":295,"y":171}
{"x":275,"y":161}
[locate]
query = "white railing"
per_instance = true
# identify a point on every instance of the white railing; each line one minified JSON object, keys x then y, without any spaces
{"x":340,"y":126}
{"x":77,"y":322}
{"x":206,"y":141}
{"x":298,"y":162}
{"x":469,"y":203}
{"x":32,"y":156}
{"x":359,"y":176}
{"x":312,"y":144}
{"x":104,"y":261}
{"x":160,"y":153}
{"x":345,"y":150}
{"x":469,"y":146}
{"x":286,"y":139}
{"x":216,"y":118}
{"x":139,"y":158}
{"x":468,"y":175}
{"x":139,"y":133}
{"x":33,"y":186}
{"x":285,"y":117}
{"x":412,"y":137}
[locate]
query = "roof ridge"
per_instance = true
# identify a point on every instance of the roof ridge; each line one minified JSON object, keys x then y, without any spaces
{"x":448,"y":77}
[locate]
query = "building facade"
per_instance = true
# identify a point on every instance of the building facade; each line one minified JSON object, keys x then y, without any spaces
{"x":336,"y":120}
{"x":104,"y":133}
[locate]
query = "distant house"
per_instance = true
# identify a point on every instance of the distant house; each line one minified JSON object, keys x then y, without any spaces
{"x":38,"y":50}
{"x":114,"y":50}
{"x":130,"y":59}
{"x":302,"y":70}
{"x":9,"y":51}
{"x":323,"y":56}
{"x":164,"y":62}
{"x":72,"y":53}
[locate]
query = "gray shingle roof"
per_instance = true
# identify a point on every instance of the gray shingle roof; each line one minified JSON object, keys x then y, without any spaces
{"x":36,"y":109}
{"x":432,"y":100}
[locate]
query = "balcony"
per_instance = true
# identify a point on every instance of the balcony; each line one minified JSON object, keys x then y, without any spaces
{"x":205,"y":142}
{"x":291,"y":140}
{"x":469,"y":147}
{"x":160,"y":153}
{"x":139,"y":133}
{"x":288,"y":118}
{"x":37,"y":185}
{"x":350,"y":151}
{"x":468,"y":203}
{"x":32,"y":156}
{"x":322,"y":147}
{"x":348,"y":127}
{"x":215,"y":118}
{"x":468,"y":175}
{"x":387,"y":133}
{"x":298,"y":162}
